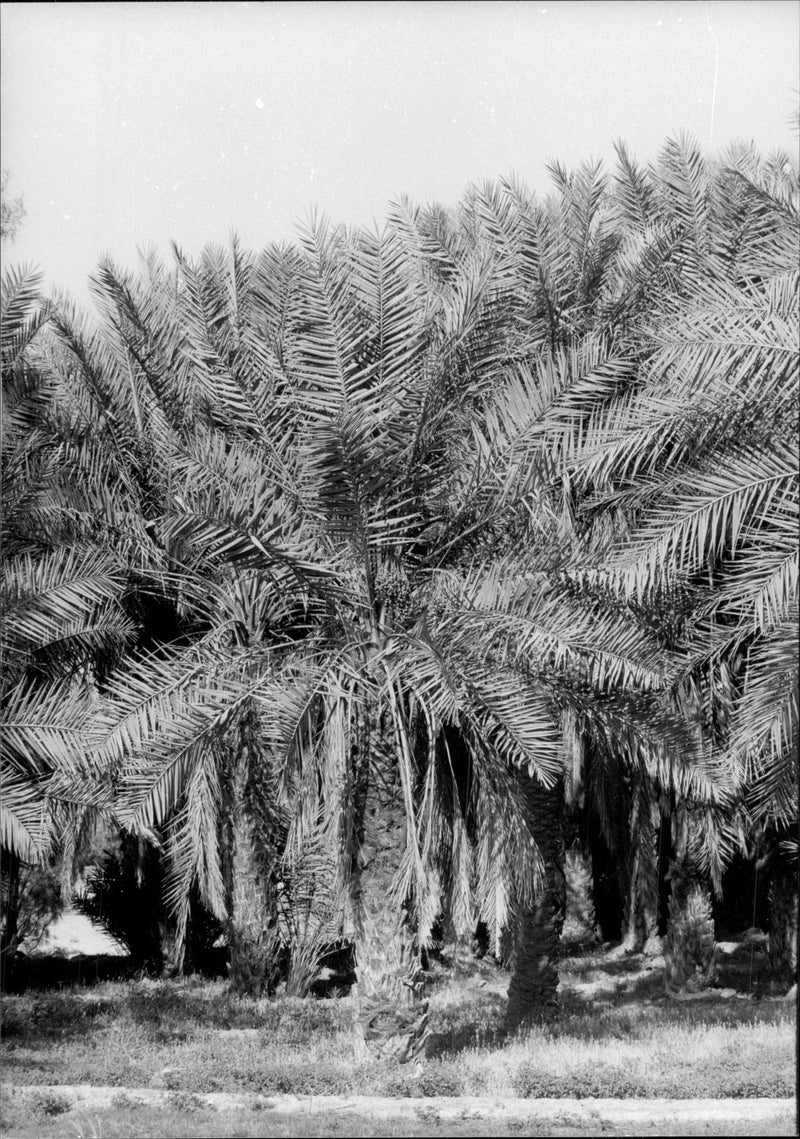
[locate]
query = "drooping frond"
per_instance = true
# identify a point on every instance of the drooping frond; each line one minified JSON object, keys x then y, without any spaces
{"x":703,"y":521}
{"x":24,"y":823}
{"x":57,"y":595}
{"x":22,"y":312}
{"x":548,"y":627}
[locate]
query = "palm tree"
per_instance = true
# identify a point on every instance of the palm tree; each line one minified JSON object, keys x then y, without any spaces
{"x":333,"y":476}
{"x":679,"y":227}
{"x":380,"y":476}
{"x":575,"y":264}
{"x":61,"y":603}
{"x":127,"y":379}
{"x":110,"y":427}
{"x":702,"y":460}
{"x":537,"y":421}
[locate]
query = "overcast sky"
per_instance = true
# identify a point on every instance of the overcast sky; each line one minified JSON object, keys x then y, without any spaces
{"x":130,"y":124}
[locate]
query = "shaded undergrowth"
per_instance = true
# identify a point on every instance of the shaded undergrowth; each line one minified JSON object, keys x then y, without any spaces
{"x":617,"y":1036}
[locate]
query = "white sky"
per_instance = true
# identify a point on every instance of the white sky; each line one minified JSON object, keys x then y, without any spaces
{"x":126,"y":125}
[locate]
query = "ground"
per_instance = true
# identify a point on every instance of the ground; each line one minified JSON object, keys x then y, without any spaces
{"x":179,"y":1058}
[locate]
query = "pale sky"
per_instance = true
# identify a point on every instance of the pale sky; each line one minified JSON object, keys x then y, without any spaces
{"x":127,"y":124}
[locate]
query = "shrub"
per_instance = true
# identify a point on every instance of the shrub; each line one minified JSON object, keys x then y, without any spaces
{"x":30,"y":900}
{"x":764,"y":1083}
{"x":435,"y":1079}
{"x":439,"y":1079}
{"x":49,"y":1103}
{"x":11,"y":1024}
{"x":49,"y":1015}
{"x":186,"y":1103}
{"x":120,"y":1101}
{"x":600,"y":1081}
{"x":396,"y":1084}
{"x":529,"y":1082}
{"x":311,"y":1079}
{"x":305,"y":1020}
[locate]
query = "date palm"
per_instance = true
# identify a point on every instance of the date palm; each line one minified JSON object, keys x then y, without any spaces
{"x":379,"y":477}
{"x":333,"y":476}
{"x":680,"y":232}
{"x":61,"y":604}
{"x":114,"y":412}
{"x":702,"y":462}
{"x":579,"y":279}
{"x":61,"y":588}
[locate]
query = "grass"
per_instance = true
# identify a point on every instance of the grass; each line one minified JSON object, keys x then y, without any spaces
{"x":617,"y":1038}
{"x":194,"y":1037}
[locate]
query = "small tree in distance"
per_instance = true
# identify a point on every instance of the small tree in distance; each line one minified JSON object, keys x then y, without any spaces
{"x":12,"y":211}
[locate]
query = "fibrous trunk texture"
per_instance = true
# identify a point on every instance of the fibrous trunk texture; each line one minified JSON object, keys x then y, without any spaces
{"x":689,"y":947}
{"x":690,"y":952}
{"x":249,"y":864}
{"x":783,"y":925}
{"x":640,"y":920}
{"x":580,"y":920}
{"x":532,"y":994}
{"x":172,"y":951}
{"x":392,"y":1015}
{"x":640,"y":880}
{"x":251,"y":937}
{"x":9,"y":919}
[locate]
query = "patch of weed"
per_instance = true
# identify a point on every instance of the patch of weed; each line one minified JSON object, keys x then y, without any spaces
{"x":186,"y":1103}
{"x":120,"y":1101}
{"x":50,"y":1016}
{"x":48,"y":1103}
{"x":439,"y":1079}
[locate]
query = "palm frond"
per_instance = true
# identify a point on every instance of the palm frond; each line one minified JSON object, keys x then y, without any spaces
{"x":24,"y":820}
{"x":705,"y":521}
{"x":45,"y":726}
{"x":22,"y":312}
{"x":57,"y":594}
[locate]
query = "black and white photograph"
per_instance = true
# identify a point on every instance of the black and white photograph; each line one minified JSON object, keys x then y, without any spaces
{"x":400,"y":558}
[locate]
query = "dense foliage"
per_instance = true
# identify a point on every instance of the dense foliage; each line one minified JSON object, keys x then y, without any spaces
{"x":345,"y":572}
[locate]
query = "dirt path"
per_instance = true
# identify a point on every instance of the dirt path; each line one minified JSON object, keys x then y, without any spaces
{"x":668,"y":1116}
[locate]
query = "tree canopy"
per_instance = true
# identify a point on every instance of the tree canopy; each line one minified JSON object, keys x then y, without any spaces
{"x":402,"y":532}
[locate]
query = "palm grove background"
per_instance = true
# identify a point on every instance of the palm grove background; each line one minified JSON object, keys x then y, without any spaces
{"x":414,"y":586}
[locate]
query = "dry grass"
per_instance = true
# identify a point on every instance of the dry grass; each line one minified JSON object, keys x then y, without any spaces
{"x":196,"y":1038}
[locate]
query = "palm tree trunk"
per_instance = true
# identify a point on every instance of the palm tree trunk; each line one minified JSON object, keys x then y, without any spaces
{"x":580,"y":920}
{"x":392,"y":1015}
{"x":690,"y":949}
{"x":640,"y":907}
{"x":532,"y":994}
{"x":640,"y":918}
{"x":393,"y":1020}
{"x":383,"y":946}
{"x":250,"y":933}
{"x":783,"y":925}
{"x":251,"y":926}
{"x":9,"y":920}
{"x":690,"y":952}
